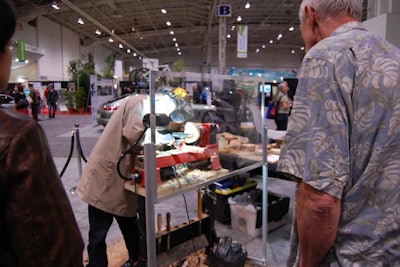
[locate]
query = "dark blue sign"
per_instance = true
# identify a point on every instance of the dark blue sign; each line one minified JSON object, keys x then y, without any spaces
{"x":224,"y":11}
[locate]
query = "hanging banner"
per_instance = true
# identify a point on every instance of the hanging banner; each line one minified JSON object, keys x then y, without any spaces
{"x":21,"y":51}
{"x":242,"y":41}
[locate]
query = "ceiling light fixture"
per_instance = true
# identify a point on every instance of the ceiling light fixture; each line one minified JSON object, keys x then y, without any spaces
{"x":263,"y":46}
{"x":176,"y":45}
{"x":257,"y":50}
{"x":134,"y":54}
{"x":168,"y":23}
{"x":228,"y":36}
{"x":279,"y":36}
{"x":179,"y":53}
{"x":133,"y":29}
{"x":98,"y":32}
{"x":247,"y":5}
{"x":271,"y":41}
{"x":110,"y":40}
{"x":302,"y":48}
{"x":178,"y":49}
{"x":164,"y":11}
{"x":291,"y":28}
{"x":174,"y":39}
{"x":239,"y":18}
{"x":55,"y":6}
{"x":128,"y":51}
{"x":80,"y":21}
{"x":293,"y":51}
{"x":233,"y":27}
{"x":172,"y":32}
{"x":120,"y":46}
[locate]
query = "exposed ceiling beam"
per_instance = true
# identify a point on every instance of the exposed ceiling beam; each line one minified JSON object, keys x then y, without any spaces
{"x":101,"y":26}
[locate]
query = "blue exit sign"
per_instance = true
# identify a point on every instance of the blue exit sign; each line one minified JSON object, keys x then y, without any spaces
{"x":224,"y":11}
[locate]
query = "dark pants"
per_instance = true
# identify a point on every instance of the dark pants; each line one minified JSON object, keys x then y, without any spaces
{"x":281,"y":121}
{"x":100,"y":222}
{"x":35,"y":111}
{"x":52,"y":109}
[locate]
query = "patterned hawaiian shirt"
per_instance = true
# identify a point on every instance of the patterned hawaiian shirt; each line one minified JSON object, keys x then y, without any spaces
{"x":343,"y":138}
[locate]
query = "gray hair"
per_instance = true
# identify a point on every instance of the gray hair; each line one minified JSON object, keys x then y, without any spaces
{"x":333,"y":8}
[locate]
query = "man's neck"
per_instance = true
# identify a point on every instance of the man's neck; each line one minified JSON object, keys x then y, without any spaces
{"x":329,"y":25}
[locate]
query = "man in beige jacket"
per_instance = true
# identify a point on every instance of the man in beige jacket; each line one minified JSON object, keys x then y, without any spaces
{"x":103,"y":189}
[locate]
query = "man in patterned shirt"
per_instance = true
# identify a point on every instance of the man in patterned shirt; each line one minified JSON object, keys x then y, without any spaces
{"x":343,"y":142}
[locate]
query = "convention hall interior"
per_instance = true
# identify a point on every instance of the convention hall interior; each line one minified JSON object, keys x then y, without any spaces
{"x":239,"y":50}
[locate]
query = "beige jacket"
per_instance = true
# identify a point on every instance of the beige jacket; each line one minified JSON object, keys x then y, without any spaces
{"x":100,"y":184}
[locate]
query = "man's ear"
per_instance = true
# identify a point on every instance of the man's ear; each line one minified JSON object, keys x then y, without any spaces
{"x":311,"y":15}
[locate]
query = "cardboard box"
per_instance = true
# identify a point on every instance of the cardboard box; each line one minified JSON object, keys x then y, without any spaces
{"x":247,"y":218}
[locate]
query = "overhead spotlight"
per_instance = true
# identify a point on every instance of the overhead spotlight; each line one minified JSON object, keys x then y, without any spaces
{"x":291,"y":28}
{"x":228,"y":36}
{"x":134,"y":54}
{"x":179,"y":53}
{"x":247,"y":5}
{"x":302,"y":48}
{"x":141,"y":38}
{"x":120,"y":46}
{"x":110,"y":40}
{"x":233,"y":27}
{"x":257,"y":50}
{"x":133,"y":29}
{"x":178,"y":49}
{"x":98,"y":32}
{"x":279,"y":36}
{"x":271,"y":41}
{"x":164,"y":11}
{"x":171,"y":32}
{"x":55,"y":6}
{"x":168,"y":23}
{"x":293,"y":52}
{"x":80,"y":21}
{"x":176,"y":45}
{"x":239,"y":18}
{"x":174,"y":39}
{"x":128,"y":51}
{"x":263,"y":46}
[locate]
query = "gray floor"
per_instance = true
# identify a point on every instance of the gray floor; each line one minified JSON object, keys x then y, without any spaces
{"x":59,"y":132}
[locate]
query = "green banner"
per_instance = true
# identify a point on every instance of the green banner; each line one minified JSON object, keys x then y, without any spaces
{"x":21,"y":51}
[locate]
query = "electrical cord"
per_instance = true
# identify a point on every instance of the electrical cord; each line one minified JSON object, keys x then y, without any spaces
{"x":125,"y":153}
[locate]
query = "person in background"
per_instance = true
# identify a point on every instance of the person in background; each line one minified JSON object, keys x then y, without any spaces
{"x":283,"y":108}
{"x":103,"y":189}
{"x":21,"y":102}
{"x":37,"y":224}
{"x":343,"y":142}
{"x":34,"y":94}
{"x":196,"y":95}
{"x":52,"y":98}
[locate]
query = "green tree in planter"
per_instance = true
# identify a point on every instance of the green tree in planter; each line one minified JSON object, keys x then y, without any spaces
{"x":80,"y":98}
{"x":80,"y":73}
{"x":68,"y":98}
{"x":109,"y":67}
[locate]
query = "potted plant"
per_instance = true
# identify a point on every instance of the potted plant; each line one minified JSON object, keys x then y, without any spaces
{"x":80,"y":100}
{"x":68,"y":98}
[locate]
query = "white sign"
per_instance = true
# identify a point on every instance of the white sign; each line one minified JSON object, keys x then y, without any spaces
{"x":242,"y":41}
{"x":150,"y":63}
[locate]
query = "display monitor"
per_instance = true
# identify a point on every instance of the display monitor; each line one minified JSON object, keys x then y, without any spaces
{"x":266,"y":88}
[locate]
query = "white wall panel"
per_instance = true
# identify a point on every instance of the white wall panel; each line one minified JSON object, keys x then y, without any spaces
{"x":49,"y":39}
{"x":70,"y":50}
{"x":25,"y":32}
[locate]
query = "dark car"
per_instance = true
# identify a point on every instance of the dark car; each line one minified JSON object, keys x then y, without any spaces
{"x":6,"y":101}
